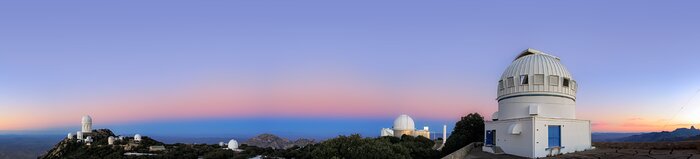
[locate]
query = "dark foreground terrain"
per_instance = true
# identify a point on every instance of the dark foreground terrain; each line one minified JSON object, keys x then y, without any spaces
{"x":620,"y":150}
{"x":641,"y":150}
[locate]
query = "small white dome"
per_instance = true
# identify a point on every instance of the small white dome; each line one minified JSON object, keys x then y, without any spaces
{"x":137,"y":137}
{"x":110,"y":140}
{"x":88,"y":139}
{"x":221,"y":144}
{"x":233,"y":144}
{"x":87,"y":119}
{"x":70,"y":135}
{"x":404,"y":122}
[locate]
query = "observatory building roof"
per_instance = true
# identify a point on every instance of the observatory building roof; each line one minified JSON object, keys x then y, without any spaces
{"x":87,"y":119}
{"x":404,"y":122}
{"x":535,"y":72}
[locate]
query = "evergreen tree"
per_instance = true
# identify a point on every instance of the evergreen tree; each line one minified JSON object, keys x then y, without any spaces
{"x":467,"y":130}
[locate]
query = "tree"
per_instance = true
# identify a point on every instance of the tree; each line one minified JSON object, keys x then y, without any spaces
{"x":467,"y":130}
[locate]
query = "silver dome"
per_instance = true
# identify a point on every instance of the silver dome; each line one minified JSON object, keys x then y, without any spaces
{"x":543,"y":74}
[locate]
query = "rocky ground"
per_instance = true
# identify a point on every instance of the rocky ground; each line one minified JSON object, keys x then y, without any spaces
{"x":633,"y":154}
{"x":622,"y":150}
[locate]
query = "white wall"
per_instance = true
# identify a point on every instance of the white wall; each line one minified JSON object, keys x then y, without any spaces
{"x":575,"y":135}
{"x":520,"y":145}
{"x":550,"y":106}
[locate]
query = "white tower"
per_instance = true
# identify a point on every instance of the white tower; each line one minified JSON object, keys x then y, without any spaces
{"x":110,"y":140}
{"x":536,"y":114}
{"x":79,"y":135}
{"x":444,"y":134}
{"x":87,"y":124}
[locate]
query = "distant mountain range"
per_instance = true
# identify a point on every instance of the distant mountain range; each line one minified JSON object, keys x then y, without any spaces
{"x":275,"y":142}
{"x":607,"y":137}
{"x":26,"y":146}
{"x":680,"y":134}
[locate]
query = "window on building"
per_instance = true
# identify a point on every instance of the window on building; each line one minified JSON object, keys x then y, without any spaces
{"x":539,"y":79}
{"x":573,"y":84}
{"x":553,"y":80}
{"x":500,"y":84}
{"x":524,"y":80}
{"x":510,"y":82}
{"x":565,"y":82}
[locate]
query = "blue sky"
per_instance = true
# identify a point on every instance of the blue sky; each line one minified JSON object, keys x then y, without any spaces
{"x":635,"y":61}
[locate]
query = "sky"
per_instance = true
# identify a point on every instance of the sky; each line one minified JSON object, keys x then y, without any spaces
{"x":326,"y":68}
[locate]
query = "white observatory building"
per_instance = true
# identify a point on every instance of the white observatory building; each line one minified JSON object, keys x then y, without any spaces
{"x":137,"y":137}
{"x":404,"y":125}
{"x":536,"y":114}
{"x":232,"y":144}
{"x":87,"y":124}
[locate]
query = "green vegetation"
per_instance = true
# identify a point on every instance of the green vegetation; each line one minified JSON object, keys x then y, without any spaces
{"x":384,"y":147}
{"x":467,"y":130}
{"x":353,"y":146}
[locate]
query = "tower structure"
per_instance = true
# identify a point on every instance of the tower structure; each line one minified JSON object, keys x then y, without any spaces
{"x":536,"y":114}
{"x":86,"y":124}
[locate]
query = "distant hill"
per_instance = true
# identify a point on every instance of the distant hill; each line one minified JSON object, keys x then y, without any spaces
{"x":605,"y":137}
{"x":353,"y":146}
{"x":275,"y":142}
{"x":679,"y":134}
{"x":26,"y":146}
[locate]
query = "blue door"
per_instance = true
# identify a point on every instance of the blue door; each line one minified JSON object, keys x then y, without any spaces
{"x":490,"y":137}
{"x":554,"y":136}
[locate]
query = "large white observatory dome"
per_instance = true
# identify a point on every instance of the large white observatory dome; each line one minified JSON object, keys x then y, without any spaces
{"x":137,"y":137}
{"x":536,"y":84}
{"x":534,"y":72}
{"x":404,"y":122}
{"x":233,"y":144}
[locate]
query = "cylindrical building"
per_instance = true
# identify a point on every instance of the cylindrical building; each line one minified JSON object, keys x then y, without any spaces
{"x":404,"y":125}
{"x":536,"y":84}
{"x":86,"y":124}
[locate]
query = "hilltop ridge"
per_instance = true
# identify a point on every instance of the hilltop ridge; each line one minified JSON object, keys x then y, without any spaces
{"x":680,"y":134}
{"x":272,"y":141}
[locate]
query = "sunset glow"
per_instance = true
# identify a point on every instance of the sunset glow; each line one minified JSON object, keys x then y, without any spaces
{"x":171,"y":61}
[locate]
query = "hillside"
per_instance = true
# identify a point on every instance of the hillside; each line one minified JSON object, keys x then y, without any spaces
{"x":679,"y":134}
{"x":604,"y":137}
{"x":353,"y":146}
{"x":74,"y":148}
{"x":275,"y":142}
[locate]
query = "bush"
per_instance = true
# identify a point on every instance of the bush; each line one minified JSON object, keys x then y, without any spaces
{"x":467,"y":130}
